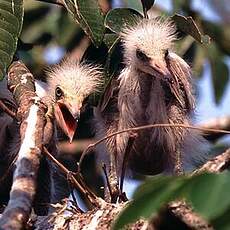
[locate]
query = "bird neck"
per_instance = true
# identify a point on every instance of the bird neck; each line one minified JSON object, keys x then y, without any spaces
{"x":140,"y":99}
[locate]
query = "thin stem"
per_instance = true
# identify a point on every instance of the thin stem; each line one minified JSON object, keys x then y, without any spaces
{"x":7,"y":110}
{"x":92,"y":146}
{"x":82,"y":188}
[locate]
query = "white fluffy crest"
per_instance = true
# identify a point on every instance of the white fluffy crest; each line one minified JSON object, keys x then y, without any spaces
{"x":74,"y":78}
{"x":151,"y":36}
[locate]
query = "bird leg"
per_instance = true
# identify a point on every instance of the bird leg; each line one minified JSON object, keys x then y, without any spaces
{"x":132,"y":137}
{"x":115,"y":187}
{"x":113,"y":179}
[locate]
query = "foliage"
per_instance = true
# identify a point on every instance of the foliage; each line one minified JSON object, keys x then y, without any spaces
{"x":46,"y":25}
{"x":205,"y":192}
{"x":11,"y":16}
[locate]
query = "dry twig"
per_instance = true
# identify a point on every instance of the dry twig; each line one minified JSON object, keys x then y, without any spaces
{"x":92,"y":146}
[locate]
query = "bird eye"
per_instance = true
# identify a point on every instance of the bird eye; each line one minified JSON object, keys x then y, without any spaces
{"x":141,"y":56}
{"x":58,"y":92}
{"x":166,"y":53}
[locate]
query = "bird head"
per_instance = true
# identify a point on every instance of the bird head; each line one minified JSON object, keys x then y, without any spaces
{"x":148,"y":49}
{"x":70,"y":83}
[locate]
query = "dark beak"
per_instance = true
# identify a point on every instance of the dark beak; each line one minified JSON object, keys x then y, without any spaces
{"x":67,"y":118}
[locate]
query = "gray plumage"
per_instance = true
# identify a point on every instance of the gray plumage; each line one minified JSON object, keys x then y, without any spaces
{"x":154,"y":87}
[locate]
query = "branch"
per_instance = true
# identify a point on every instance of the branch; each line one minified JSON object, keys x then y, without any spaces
{"x":216,"y":123}
{"x":92,"y":146}
{"x":103,"y":216}
{"x":181,"y":211}
{"x":93,"y":199}
{"x":31,"y":113}
{"x":216,"y":164}
{"x":7,"y":110}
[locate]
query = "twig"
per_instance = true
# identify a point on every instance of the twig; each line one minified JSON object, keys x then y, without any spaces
{"x":7,"y":110}
{"x":216,"y":164}
{"x":72,"y":192}
{"x":216,"y":123}
{"x":96,"y":201}
{"x":92,"y":146}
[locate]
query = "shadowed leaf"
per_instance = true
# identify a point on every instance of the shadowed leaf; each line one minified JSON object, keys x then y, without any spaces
{"x":11,"y":17}
{"x":147,"y":4}
{"x":88,"y":14}
{"x":188,"y":26}
{"x":203,"y":192}
{"x":118,"y":18}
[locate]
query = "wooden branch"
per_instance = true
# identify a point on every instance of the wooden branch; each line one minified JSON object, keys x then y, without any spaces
{"x":216,"y":164}
{"x":93,"y":199}
{"x":103,"y":217}
{"x":31,"y":113}
{"x":216,"y":123}
{"x":184,"y":213}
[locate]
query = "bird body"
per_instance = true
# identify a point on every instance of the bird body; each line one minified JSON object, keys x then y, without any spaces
{"x":68,"y":85}
{"x":153,"y":88}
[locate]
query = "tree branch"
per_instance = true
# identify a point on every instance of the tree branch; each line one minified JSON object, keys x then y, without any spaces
{"x":179,"y":211}
{"x":216,"y":123}
{"x":31,"y":113}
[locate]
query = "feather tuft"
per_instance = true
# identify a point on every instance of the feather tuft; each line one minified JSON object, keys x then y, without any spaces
{"x":78,"y":80}
{"x":151,"y":36}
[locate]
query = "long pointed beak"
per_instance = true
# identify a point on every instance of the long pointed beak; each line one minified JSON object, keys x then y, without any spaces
{"x":160,"y":68}
{"x":67,"y":117}
{"x":163,"y":70}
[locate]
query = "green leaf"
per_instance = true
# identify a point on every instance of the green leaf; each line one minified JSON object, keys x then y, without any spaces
{"x":219,"y":70}
{"x":88,"y":14}
{"x":207,"y":193}
{"x":119,"y":18}
{"x":222,"y":222}
{"x":188,"y":26}
{"x":11,"y":17}
{"x":111,"y":40}
{"x":148,"y":199}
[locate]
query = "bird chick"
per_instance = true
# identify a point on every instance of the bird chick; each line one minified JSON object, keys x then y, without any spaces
{"x":68,"y":86}
{"x":154,"y":87}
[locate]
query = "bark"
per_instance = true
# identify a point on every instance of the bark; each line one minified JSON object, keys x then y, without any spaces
{"x":216,"y":123}
{"x":177,"y":214}
{"x":31,"y":114}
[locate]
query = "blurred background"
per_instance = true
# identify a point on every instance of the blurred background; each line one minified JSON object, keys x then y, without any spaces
{"x":49,"y":33}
